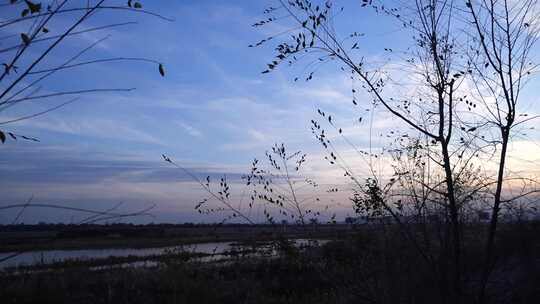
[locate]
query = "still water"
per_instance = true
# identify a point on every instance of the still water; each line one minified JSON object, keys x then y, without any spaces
{"x":216,"y":250}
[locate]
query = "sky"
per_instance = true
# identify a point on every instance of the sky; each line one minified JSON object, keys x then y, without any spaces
{"x":213,"y":112}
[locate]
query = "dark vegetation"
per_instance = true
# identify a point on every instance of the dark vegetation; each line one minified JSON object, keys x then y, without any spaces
{"x":63,"y":236}
{"x":373,"y":265}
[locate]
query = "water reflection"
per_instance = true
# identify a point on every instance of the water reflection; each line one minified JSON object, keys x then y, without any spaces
{"x":211,"y":252}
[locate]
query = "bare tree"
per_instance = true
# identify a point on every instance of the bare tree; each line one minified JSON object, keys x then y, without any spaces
{"x":465,"y":82}
{"x":433,"y":63}
{"x":505,"y":33}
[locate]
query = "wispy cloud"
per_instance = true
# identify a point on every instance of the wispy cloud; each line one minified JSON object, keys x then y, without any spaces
{"x":189,"y":129}
{"x":213,"y":111}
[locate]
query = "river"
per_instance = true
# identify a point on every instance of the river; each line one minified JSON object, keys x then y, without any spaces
{"x":213,"y":250}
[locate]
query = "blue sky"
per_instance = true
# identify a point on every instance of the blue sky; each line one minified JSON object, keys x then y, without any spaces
{"x":213,"y":112}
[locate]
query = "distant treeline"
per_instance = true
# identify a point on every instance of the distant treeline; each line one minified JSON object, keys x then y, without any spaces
{"x":21,"y":232}
{"x":62,"y":226}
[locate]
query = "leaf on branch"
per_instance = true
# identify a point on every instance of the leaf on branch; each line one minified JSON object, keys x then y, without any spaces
{"x":34,"y":8}
{"x":6,"y":68}
{"x":129,"y":3}
{"x":30,"y":138}
{"x":137,"y":5}
{"x":25,"y":39}
{"x":45,"y":30}
{"x":25,"y":12}
{"x":161,"y":70}
{"x":2,"y":137}
{"x":165,"y":158}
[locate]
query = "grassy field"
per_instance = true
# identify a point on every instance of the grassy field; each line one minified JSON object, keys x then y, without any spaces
{"x":360,"y":267}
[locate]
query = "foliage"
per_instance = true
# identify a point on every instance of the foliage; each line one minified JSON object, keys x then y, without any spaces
{"x":369,"y":267}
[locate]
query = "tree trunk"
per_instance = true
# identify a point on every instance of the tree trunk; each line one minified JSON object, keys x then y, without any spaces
{"x":492,"y":229}
{"x":454,"y":224}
